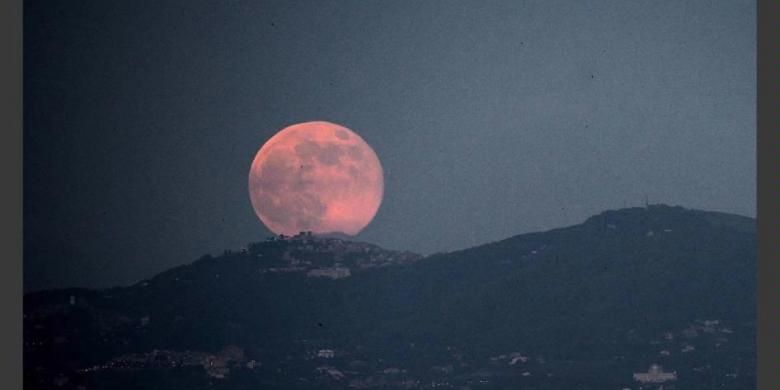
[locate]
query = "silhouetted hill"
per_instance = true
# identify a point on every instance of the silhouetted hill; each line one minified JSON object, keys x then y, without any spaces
{"x":578,"y":307}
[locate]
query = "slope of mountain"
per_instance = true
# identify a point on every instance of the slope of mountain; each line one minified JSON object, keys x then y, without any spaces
{"x":584,"y":307}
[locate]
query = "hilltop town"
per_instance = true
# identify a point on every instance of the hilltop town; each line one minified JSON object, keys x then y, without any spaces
{"x":322,"y":256}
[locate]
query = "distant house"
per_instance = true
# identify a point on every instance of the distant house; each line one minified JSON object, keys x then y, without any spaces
{"x":516,"y":357}
{"x":331,"y":371}
{"x":216,"y":367}
{"x":655,"y":374}
{"x":326,"y":353}
{"x":333,"y":273}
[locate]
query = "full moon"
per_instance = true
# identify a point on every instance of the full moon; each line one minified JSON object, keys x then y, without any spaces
{"x":316,"y":176}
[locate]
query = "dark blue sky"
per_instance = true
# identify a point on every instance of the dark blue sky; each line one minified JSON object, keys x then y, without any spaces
{"x":491,"y":118}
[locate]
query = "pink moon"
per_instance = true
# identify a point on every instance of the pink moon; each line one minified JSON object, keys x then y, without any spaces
{"x":316,"y":176}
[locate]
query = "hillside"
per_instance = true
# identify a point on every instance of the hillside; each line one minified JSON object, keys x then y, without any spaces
{"x":584,"y":306}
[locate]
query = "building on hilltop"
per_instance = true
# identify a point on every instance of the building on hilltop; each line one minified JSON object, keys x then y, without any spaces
{"x":326,"y":353}
{"x":654,"y":375}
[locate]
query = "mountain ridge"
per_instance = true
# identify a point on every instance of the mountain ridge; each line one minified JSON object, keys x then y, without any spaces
{"x":739,"y":222}
{"x":717,"y":218}
{"x":559,"y":301}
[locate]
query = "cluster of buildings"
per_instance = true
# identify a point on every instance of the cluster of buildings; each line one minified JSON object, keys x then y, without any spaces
{"x":654,"y":378}
{"x":323,"y":257}
{"x":215,"y":365}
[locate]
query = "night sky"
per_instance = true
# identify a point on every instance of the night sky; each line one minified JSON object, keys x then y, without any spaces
{"x":490,"y":118}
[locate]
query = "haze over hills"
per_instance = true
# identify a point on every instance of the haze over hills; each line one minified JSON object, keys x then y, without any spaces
{"x":584,"y":306}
